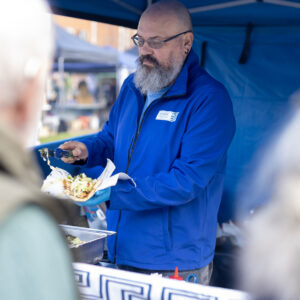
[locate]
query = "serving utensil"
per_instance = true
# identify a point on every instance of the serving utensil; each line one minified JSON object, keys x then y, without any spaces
{"x":56,"y":153}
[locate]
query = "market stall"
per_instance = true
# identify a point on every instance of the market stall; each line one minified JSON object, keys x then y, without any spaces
{"x":252,"y":47}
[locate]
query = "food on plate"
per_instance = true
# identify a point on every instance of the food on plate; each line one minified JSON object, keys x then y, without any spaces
{"x":79,"y":187}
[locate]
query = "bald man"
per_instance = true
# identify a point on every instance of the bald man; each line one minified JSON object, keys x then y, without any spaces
{"x":169,"y":130}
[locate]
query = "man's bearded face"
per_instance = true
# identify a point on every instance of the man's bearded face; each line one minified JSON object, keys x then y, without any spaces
{"x":157,"y":76}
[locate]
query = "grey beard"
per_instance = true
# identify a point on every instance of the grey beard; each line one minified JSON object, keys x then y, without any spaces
{"x":155,"y":79}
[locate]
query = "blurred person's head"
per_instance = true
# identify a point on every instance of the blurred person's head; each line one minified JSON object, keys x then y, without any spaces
{"x":270,"y":262}
{"x":26,"y":39}
{"x":160,"y":62}
{"x":82,"y":87}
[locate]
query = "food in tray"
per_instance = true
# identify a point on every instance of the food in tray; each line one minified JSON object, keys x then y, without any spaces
{"x":79,"y":187}
{"x":74,"y":241}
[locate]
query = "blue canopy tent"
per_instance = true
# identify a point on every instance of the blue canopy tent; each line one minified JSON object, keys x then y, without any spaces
{"x":74,"y":49}
{"x":204,"y":12}
{"x":76,"y":55}
{"x":81,"y":56}
{"x":252,"y":47}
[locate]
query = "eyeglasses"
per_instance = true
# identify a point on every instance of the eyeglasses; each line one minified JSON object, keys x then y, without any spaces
{"x":154,"y":43}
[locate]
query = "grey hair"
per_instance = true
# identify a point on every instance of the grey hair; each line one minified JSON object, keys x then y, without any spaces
{"x":26,"y":39}
{"x":172,"y":7}
{"x":157,"y":78}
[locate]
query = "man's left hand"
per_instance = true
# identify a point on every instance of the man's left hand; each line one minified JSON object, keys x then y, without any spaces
{"x":99,"y":197}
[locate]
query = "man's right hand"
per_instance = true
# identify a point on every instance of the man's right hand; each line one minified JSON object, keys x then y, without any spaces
{"x":79,"y":151}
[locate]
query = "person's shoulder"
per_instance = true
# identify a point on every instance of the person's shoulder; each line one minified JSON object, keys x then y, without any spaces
{"x":31,"y":241}
{"x":202,"y":80}
{"x":31,"y":218}
{"x":206,"y":89}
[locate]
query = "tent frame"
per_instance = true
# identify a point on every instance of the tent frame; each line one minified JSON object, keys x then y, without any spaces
{"x":240,"y":3}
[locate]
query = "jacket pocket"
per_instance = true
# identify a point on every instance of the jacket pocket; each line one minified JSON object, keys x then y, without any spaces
{"x":166,"y":229}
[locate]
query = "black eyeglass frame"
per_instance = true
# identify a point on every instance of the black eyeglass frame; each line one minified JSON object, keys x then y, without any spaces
{"x":162,"y":42}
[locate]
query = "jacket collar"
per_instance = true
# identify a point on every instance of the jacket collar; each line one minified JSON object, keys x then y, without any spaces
{"x":179,"y":87}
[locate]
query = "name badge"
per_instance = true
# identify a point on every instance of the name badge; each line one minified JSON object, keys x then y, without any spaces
{"x":165,"y":115}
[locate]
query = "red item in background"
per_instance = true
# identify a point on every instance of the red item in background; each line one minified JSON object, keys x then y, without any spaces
{"x":176,"y":276}
{"x":84,"y":122}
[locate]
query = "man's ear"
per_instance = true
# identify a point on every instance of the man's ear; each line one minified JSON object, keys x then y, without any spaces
{"x":188,"y":42}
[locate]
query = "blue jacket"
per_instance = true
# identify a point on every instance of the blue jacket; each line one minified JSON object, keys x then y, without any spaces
{"x":177,"y":158}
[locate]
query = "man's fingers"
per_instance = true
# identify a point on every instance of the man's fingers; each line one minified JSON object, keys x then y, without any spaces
{"x":74,"y":147}
{"x":68,"y":160}
{"x":76,"y":152}
{"x":68,"y":145}
{"x":63,"y":146}
{"x":79,"y":151}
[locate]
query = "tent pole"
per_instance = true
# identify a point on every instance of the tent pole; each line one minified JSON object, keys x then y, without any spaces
{"x":239,"y":3}
{"x":220,"y":6}
{"x":61,"y":60}
{"x":128,"y":7}
{"x":283,"y":3}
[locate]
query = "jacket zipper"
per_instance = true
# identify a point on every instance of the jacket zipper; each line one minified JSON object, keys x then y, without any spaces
{"x":129,"y":159}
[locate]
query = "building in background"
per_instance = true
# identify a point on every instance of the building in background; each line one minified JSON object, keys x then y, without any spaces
{"x":97,"y":33}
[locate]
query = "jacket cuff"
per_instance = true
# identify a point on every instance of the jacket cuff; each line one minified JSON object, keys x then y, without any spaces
{"x":117,"y":191}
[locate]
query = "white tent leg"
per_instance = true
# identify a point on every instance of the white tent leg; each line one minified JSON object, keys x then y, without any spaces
{"x":61,"y":61}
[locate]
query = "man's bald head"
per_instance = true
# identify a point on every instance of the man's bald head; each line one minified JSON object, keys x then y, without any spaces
{"x":170,"y":9}
{"x":165,"y":39}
